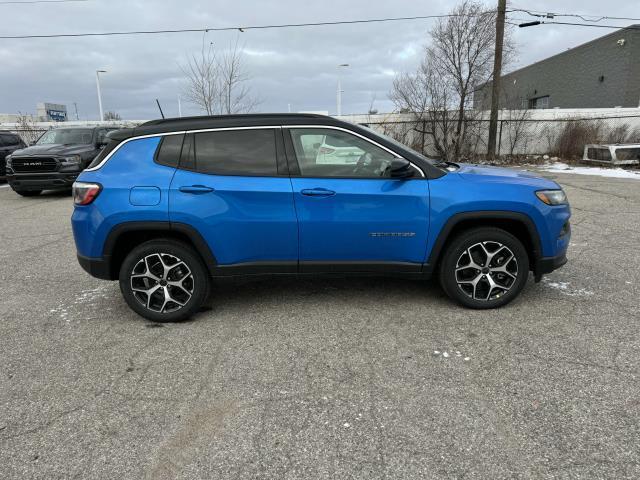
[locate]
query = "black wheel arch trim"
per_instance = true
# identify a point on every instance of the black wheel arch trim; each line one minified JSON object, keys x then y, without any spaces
{"x":190,"y":232}
{"x":457,"y":218}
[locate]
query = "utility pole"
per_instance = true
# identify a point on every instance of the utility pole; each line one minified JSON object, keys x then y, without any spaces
{"x":179,"y":107}
{"x":495,"y":84}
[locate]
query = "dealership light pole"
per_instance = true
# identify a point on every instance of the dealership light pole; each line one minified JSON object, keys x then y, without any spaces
{"x":339,"y":92}
{"x":98,"y":72}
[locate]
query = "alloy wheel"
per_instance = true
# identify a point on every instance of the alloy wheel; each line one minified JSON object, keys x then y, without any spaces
{"x":162,"y":283}
{"x":486,"y":271}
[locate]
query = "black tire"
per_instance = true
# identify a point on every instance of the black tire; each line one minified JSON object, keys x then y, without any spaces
{"x":28,"y":193}
{"x":469,"y":249}
{"x":159,"y":253}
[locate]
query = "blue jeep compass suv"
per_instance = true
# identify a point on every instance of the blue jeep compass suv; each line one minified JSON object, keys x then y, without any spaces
{"x":171,"y":204}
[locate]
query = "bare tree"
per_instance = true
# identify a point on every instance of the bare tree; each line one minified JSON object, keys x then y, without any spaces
{"x":459,"y":57}
{"x":26,"y":128}
{"x":112,"y":116}
{"x":202,"y":74}
{"x":515,"y":127}
{"x":218,"y":82}
{"x":236,"y":94}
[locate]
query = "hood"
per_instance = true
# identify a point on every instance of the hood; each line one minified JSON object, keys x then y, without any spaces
{"x":487,"y":174}
{"x":54,"y":150}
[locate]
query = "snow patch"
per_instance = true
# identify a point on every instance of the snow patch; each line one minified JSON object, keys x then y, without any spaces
{"x":445,"y":354}
{"x":560,"y":167}
{"x":566,"y":289}
{"x":85,"y":296}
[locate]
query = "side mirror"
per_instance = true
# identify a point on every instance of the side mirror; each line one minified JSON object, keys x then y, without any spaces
{"x":400,"y":168}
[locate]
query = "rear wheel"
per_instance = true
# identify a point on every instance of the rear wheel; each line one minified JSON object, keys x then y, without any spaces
{"x":484,"y":268}
{"x":164,"y":281}
{"x":28,"y":193}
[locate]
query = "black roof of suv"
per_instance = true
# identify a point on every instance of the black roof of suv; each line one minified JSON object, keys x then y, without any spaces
{"x":184,"y":124}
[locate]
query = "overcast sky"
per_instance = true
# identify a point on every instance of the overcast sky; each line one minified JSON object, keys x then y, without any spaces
{"x":296,"y":66}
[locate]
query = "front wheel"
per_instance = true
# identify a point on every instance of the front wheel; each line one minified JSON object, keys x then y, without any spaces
{"x":484,"y":268}
{"x":164,"y":281}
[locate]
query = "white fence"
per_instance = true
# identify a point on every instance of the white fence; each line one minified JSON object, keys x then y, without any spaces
{"x":532,"y":132}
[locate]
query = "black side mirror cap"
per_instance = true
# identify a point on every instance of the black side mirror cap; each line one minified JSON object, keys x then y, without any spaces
{"x":401,"y":168}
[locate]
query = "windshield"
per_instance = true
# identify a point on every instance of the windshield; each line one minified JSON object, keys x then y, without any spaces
{"x":67,"y":136}
{"x":392,"y":140}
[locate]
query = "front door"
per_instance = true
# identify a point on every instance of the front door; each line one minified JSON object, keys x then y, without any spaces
{"x":228,"y":187}
{"x":352,"y":216}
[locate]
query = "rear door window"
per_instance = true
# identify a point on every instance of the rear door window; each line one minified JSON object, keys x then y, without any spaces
{"x":250,"y":152}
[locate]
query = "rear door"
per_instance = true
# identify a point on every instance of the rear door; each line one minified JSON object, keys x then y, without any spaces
{"x":232,"y":185}
{"x":352,"y":215}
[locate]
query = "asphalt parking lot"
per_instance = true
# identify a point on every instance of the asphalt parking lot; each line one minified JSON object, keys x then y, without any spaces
{"x":348,"y":378}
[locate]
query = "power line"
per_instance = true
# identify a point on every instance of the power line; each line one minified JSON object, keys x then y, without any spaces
{"x":617,"y":27}
{"x":40,"y":1}
{"x":239,"y":28}
{"x":581,"y":16}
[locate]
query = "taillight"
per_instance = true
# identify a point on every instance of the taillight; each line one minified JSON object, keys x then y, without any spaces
{"x":85,"y":193}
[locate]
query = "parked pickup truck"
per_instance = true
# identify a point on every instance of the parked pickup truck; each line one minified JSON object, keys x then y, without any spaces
{"x":55,"y":160}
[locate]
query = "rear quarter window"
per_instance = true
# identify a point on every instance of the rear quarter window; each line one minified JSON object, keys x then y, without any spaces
{"x":169,"y":151}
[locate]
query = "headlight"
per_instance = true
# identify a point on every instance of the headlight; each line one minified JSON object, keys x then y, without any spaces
{"x":8,"y":161}
{"x":552,"y":197}
{"x":73,"y":160}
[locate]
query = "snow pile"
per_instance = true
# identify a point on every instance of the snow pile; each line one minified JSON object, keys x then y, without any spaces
{"x":560,"y":167}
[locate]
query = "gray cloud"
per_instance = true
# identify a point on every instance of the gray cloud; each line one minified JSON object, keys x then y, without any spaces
{"x":292,"y":66}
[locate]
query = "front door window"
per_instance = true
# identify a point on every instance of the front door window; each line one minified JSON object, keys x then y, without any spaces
{"x":334,"y":153}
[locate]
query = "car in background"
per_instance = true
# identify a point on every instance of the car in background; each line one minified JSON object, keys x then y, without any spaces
{"x":55,"y":160}
{"x":331,"y":149}
{"x":9,"y":143}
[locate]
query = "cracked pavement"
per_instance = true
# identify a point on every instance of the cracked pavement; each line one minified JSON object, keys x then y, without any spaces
{"x":323,"y":378}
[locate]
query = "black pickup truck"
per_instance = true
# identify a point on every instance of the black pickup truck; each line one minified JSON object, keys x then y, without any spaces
{"x":55,"y":160}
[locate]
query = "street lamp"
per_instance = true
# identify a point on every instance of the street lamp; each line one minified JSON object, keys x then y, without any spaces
{"x":339,"y":92}
{"x":98,"y":72}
